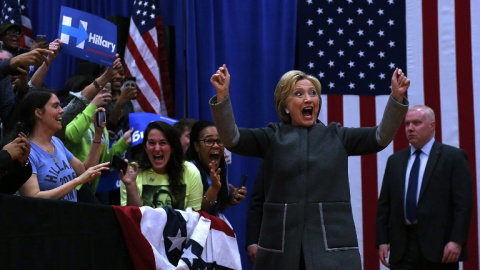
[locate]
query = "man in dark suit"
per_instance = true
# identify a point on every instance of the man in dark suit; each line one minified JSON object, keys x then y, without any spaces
{"x":425,"y":224}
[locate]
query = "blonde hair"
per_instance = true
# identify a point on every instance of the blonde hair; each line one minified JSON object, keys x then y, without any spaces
{"x":285,"y":85}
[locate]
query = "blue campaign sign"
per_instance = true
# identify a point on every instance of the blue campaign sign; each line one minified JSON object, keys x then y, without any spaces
{"x":109,"y":180}
{"x":87,"y":36}
{"x":140,"y":120}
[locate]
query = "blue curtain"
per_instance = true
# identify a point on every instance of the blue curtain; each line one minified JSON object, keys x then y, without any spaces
{"x":256,"y":39}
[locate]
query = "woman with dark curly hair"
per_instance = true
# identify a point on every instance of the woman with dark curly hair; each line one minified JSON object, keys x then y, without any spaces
{"x":161,"y":167}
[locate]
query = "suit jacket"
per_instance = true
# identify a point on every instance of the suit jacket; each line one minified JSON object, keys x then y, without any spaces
{"x":444,"y":203}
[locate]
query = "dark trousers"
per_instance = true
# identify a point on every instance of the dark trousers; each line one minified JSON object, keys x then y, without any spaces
{"x":302,"y":260}
{"x":413,"y":258}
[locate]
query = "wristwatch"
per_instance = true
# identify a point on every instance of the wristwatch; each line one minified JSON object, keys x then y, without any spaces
{"x":98,"y":86}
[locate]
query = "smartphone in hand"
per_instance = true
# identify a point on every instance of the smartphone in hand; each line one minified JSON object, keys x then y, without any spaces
{"x":243,"y":180}
{"x":41,"y":38}
{"x":108,"y":87}
{"x":130,"y":82}
{"x":119,"y":164}
{"x":101,"y":117}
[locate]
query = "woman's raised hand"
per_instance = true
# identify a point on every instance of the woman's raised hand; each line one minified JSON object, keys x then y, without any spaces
{"x":130,"y":176}
{"x":215,"y":175}
{"x":400,"y":84}
{"x":221,"y":81}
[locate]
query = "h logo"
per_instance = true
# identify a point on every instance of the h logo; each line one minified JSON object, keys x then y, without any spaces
{"x":80,"y":33}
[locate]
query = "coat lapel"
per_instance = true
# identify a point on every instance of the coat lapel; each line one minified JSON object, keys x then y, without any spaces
{"x":431,"y":162}
{"x":403,"y":170}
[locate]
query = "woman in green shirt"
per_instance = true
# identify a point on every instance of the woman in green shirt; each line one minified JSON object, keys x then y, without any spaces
{"x":162,"y":177}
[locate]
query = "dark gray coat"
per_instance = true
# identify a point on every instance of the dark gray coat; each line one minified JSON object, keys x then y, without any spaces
{"x":307,"y":196}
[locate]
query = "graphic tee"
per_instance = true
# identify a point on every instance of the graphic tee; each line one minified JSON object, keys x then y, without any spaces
{"x":53,"y":170}
{"x":154,"y":189}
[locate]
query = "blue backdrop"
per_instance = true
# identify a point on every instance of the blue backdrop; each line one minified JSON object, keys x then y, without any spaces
{"x":256,"y":39}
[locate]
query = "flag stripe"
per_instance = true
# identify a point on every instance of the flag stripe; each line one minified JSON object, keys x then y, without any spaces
{"x":140,"y":250}
{"x":218,"y":224}
{"x":415,"y":48}
{"x":431,"y":83}
{"x":335,"y":110}
{"x":351,"y":109}
{"x":369,"y":186}
{"x":448,"y":88}
{"x":465,"y":116}
{"x":324,"y":109}
{"x":475,"y":39}
{"x":152,"y":44}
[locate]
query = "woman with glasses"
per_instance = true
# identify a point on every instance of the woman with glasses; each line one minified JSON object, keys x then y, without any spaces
{"x":161,"y":177}
{"x":206,"y":151}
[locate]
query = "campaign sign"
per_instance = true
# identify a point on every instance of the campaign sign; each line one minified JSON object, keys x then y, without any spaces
{"x":140,"y":120}
{"x":109,"y":180}
{"x":87,"y":36}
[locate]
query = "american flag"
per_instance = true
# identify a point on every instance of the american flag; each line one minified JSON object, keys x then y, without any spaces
{"x":143,"y":59}
{"x":442,"y":52}
{"x":352,"y":47}
{"x":16,"y":12}
{"x":164,"y":238}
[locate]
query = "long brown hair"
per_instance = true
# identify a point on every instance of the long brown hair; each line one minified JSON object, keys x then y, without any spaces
{"x":174,"y":167}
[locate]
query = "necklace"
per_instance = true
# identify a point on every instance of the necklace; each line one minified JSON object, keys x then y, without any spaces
{"x":48,"y":152}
